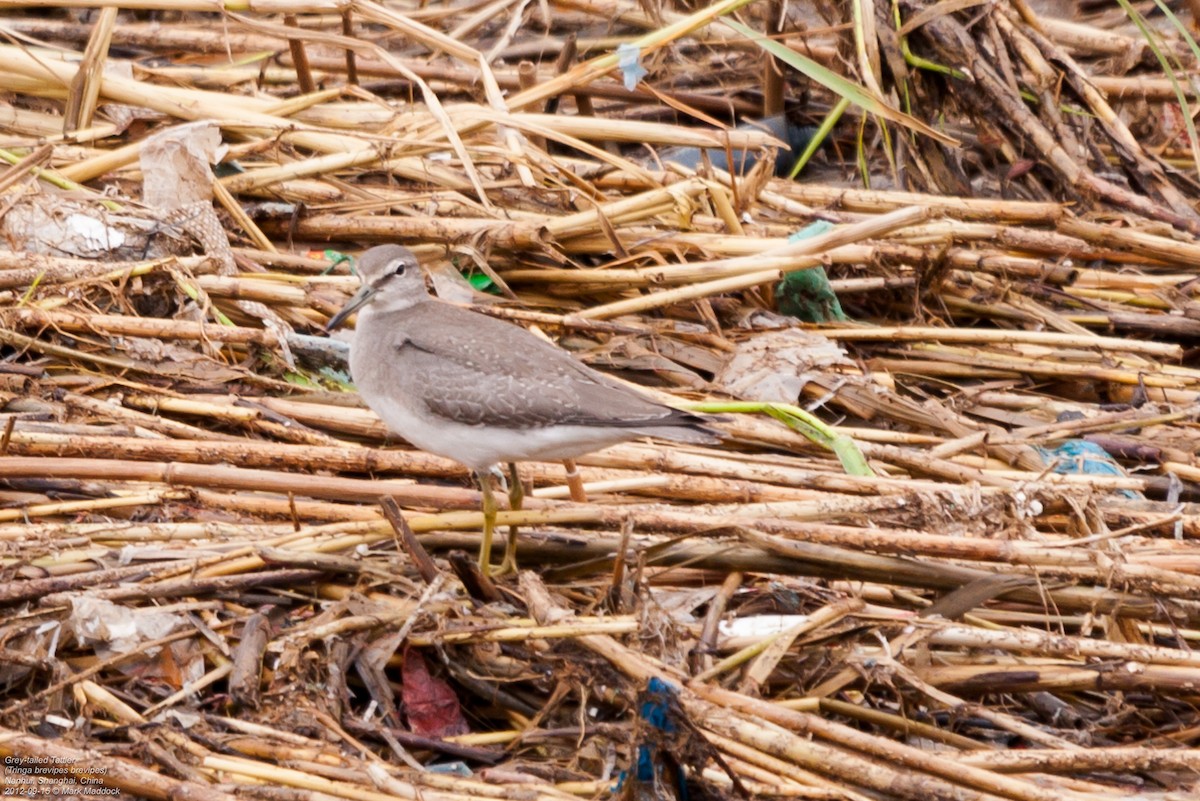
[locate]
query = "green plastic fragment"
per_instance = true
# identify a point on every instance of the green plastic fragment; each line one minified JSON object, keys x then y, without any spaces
{"x":482,"y":282}
{"x":336,"y":257}
{"x":806,"y":294}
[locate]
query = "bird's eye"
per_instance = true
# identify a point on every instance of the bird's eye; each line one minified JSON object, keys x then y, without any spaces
{"x":400,"y":268}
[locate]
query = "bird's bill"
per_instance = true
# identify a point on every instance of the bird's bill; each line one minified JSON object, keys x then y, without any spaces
{"x":360,"y":297}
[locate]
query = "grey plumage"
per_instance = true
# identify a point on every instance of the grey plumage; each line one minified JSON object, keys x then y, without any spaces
{"x":494,"y":374}
{"x":482,"y":391}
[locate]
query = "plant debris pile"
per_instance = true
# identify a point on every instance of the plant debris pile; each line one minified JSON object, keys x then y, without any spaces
{"x":945,"y":551}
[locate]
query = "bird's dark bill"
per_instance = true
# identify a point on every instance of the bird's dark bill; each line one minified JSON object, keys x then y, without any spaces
{"x":360,"y":297}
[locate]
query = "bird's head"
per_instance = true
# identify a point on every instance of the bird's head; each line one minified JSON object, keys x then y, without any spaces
{"x":389,"y":273}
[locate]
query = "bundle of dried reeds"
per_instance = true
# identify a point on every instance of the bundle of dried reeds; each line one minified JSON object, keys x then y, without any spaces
{"x":222,"y":579}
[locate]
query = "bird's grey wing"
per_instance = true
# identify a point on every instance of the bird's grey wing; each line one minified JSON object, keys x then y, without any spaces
{"x":496,"y":374}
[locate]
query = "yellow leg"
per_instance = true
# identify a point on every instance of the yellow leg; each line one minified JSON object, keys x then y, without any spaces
{"x":489,"y":522}
{"x":516,"y":497}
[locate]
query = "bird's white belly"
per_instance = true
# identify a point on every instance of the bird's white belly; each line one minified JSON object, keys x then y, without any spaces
{"x":479,"y":447}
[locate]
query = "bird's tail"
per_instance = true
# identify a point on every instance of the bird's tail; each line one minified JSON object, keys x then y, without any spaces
{"x":688,"y":427}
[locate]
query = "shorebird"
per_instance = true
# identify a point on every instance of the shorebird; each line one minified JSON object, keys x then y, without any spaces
{"x":482,"y":391}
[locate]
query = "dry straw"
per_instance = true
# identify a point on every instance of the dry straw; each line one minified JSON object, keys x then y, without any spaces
{"x":1004,"y":604}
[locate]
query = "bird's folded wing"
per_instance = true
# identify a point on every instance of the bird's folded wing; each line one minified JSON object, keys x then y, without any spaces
{"x":499,"y":375}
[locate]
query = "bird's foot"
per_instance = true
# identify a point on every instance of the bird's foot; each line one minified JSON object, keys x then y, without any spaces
{"x":509,"y":565}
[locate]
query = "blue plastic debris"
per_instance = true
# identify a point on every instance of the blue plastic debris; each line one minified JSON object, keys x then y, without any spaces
{"x":811,"y":230}
{"x":1078,"y":456}
{"x":457,"y":768}
{"x":655,"y":710}
{"x":659,"y":706}
{"x":629,"y":61}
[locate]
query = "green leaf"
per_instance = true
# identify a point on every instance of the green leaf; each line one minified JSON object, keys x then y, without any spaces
{"x":840,"y":86}
{"x":810,"y":427}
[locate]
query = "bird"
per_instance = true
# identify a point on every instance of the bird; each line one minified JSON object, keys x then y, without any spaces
{"x":482,"y":391}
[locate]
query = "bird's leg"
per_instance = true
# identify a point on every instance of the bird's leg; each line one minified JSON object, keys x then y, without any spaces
{"x":489,"y":520}
{"x":516,"y":496}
